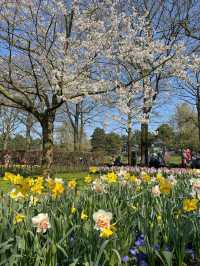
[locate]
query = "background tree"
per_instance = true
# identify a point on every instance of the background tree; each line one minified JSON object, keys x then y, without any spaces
{"x":166,"y":134}
{"x":186,"y":131}
{"x":9,"y":122}
{"x":113,"y":145}
{"x":98,"y":140}
{"x":78,"y":115}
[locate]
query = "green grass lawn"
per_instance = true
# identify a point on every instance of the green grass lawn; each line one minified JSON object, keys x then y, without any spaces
{"x":174,"y":161}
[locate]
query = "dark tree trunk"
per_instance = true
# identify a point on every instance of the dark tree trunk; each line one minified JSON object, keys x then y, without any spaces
{"x":76,"y":128}
{"x":29,"y":123}
{"x":198,"y":112}
{"x":144,"y":144}
{"x":129,"y":141}
{"x":81,"y":133}
{"x":47,"y":124}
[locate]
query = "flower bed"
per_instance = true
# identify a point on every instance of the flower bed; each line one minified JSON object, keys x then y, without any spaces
{"x":122,"y":216}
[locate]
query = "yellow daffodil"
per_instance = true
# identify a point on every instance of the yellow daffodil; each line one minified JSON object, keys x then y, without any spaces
{"x":127,"y":176}
{"x":106,"y":233}
{"x":88,"y":179}
{"x":159,"y":177}
{"x":16,"y":195}
{"x":84,"y":216}
{"x":26,"y":185}
{"x":57,"y":190}
{"x":72,"y":184}
{"x":50,"y":183}
{"x":93,"y":169}
{"x":190,"y":205}
{"x":9,"y":177}
{"x":111,"y":177}
{"x":19,"y":218}
{"x":133,"y":207}
{"x":165,"y":186}
{"x":37,"y":188}
{"x":146,"y":178}
{"x":132,"y":178}
{"x":73,"y":210}
{"x":17,"y":180}
{"x":159,"y":218}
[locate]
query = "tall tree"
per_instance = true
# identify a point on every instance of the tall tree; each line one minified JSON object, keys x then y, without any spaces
{"x":167,"y":135}
{"x":98,"y":140}
{"x":186,"y":131}
{"x":47,"y":51}
{"x":113,"y":144}
{"x":9,"y":122}
{"x":79,"y":114}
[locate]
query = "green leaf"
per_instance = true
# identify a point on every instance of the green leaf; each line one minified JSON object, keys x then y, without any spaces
{"x":103,"y":246}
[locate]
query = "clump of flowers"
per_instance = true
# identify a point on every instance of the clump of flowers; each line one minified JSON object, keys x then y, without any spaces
{"x":41,"y":222}
{"x":98,"y":186}
{"x":38,"y":185}
{"x":16,"y":195}
{"x":195,"y":187}
{"x":33,"y":201}
{"x":145,"y":177}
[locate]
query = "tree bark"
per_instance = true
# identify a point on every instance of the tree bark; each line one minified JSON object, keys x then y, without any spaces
{"x":129,"y":141}
{"x":5,"y":142}
{"x":29,"y":123}
{"x":198,"y":112}
{"x":144,"y":144}
{"x":47,"y":124}
{"x":81,"y":132}
{"x":76,"y":128}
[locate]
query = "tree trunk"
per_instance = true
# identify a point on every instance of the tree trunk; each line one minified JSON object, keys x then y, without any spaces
{"x":198,"y":112}
{"x":76,"y":128}
{"x":144,"y":144}
{"x":5,"y":142}
{"x":129,"y":141}
{"x":47,"y":143}
{"x":29,"y":123}
{"x":81,"y":133}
